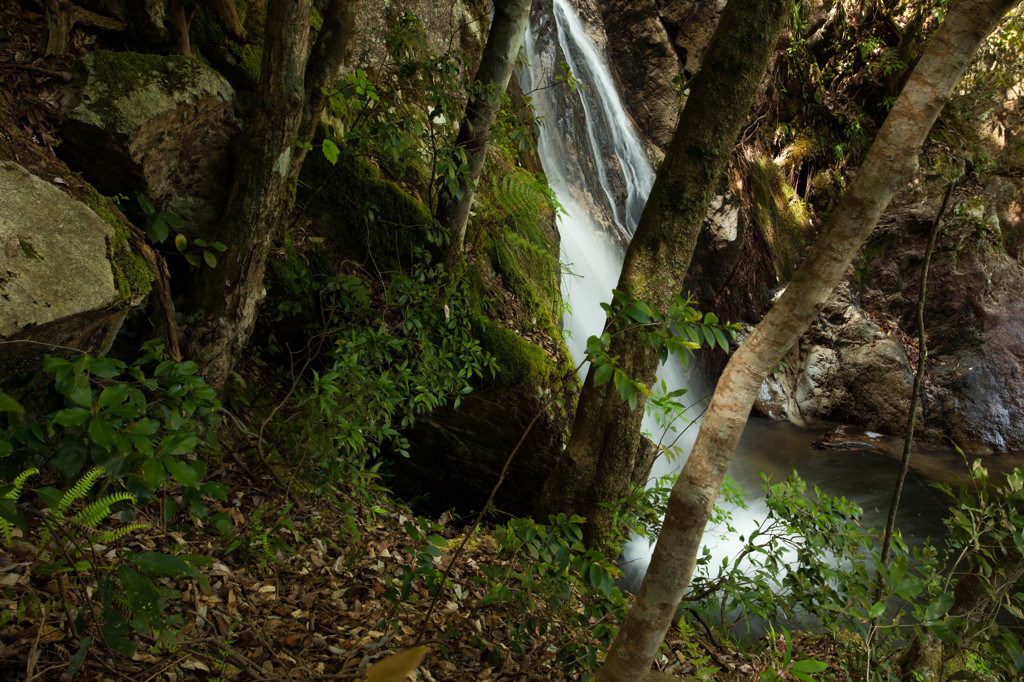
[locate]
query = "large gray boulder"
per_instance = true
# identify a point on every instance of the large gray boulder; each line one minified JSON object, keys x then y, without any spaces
{"x":157,"y":124}
{"x":58,"y":291}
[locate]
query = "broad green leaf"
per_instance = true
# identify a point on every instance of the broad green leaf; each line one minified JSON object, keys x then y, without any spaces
{"x":71,"y":416}
{"x":939,"y":608}
{"x":877,"y":610}
{"x":145,"y":203}
{"x":9,"y":404}
{"x":182,"y":472}
{"x":101,"y":432}
{"x":603,"y":374}
{"x":113,"y":395}
{"x":808,"y":666}
{"x":163,"y":564}
{"x":720,"y":337}
{"x":331,"y":152}
{"x":210,"y":258}
{"x":180,"y":242}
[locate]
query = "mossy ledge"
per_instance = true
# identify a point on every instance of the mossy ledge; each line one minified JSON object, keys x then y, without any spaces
{"x":132,"y":276}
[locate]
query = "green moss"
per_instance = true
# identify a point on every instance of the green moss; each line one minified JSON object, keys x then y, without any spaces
{"x":783,"y":215}
{"x":132,"y":276}
{"x":122,"y":73}
{"x":362,"y":216}
{"x":519,"y":361}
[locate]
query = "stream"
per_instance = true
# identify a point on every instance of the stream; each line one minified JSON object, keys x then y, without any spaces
{"x":592,"y":155}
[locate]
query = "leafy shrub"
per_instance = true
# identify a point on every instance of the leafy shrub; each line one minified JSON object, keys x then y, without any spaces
{"x":553,"y":582}
{"x":138,"y":421}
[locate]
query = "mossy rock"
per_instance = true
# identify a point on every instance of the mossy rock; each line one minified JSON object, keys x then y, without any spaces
{"x":133,"y":278}
{"x":361,"y":215}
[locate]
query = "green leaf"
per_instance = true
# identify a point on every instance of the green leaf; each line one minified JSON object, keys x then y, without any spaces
{"x":158,"y":230}
{"x":876,"y":610}
{"x":603,"y":374}
{"x":173,"y":220}
{"x":210,"y":259}
{"x":51,"y":497}
{"x":101,"y":432}
{"x":720,"y":337}
{"x":939,"y":608}
{"x":808,"y":666}
{"x":180,"y":242}
{"x":193,"y":260}
{"x":113,"y":395}
{"x":182,"y":472}
{"x":163,"y":564}
{"x":145,"y":203}
{"x":76,"y":661}
{"x":331,"y":152}
{"x":9,"y":404}
{"x":71,"y":416}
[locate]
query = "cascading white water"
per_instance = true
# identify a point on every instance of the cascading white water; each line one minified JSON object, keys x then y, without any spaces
{"x":591,"y":153}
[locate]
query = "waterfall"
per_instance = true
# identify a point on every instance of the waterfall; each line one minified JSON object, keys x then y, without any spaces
{"x":592,"y":155}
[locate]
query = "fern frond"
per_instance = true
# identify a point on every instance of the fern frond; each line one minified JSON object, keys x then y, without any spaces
{"x":15,"y":492}
{"x":96,"y":511}
{"x":79,"y":490}
{"x":6,"y":528}
{"x":108,"y":536}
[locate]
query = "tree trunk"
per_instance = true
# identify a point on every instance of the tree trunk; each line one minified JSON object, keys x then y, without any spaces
{"x":231,"y":292}
{"x":492,"y":77}
{"x":324,"y":69}
{"x":598,"y":462}
{"x":890,"y":164}
{"x":283,"y":116}
{"x":63,"y":15}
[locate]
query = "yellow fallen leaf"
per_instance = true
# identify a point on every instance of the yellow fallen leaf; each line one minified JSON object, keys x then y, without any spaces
{"x":396,"y":667}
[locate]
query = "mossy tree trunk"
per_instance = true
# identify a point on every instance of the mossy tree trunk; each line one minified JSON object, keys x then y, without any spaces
{"x":496,"y":63}
{"x":890,"y":164}
{"x":229,"y":294}
{"x":597,"y":465}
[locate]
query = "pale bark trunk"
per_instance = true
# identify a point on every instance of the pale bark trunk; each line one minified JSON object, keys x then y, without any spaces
{"x":890,"y":164}
{"x":597,"y":465}
{"x":492,"y":77}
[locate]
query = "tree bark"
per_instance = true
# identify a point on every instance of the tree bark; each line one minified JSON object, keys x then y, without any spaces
{"x":496,"y":63}
{"x":62,"y":16}
{"x":323,"y":71}
{"x":890,"y":164}
{"x":598,"y":462}
{"x":232,"y":291}
{"x":283,"y":116}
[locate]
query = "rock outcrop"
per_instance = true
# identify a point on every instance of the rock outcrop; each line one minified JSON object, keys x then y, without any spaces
{"x":154,"y":124}
{"x":58,"y":290}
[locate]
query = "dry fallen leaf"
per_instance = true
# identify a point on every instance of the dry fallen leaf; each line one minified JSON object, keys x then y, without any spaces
{"x":396,"y":667}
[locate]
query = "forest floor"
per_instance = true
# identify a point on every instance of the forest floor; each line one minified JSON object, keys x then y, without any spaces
{"x":312,"y":594}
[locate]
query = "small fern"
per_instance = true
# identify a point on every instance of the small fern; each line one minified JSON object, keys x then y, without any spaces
{"x":93,"y":513}
{"x":79,"y":490}
{"x":6,"y":528}
{"x":96,"y":511}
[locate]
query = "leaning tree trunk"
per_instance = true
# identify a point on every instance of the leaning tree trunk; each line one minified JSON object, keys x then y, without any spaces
{"x":890,"y":164}
{"x":597,"y":465}
{"x":496,"y":64}
{"x":231,"y":293}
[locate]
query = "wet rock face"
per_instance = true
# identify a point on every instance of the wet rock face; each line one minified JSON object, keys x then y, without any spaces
{"x":646,"y":65}
{"x":155,"y":124}
{"x":846,"y":369}
{"x":56,"y":283}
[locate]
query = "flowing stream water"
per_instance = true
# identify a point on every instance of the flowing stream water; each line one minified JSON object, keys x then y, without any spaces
{"x":591,"y":153}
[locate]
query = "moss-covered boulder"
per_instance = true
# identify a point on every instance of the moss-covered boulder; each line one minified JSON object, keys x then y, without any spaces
{"x":361,"y":215}
{"x":66,"y":274}
{"x":156,"y":124}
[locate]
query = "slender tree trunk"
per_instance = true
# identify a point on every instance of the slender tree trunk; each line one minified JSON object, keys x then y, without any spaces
{"x":230,"y":293}
{"x":63,"y":15}
{"x":324,"y":69}
{"x":890,"y":164}
{"x":496,"y":63}
{"x":597,"y":465}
